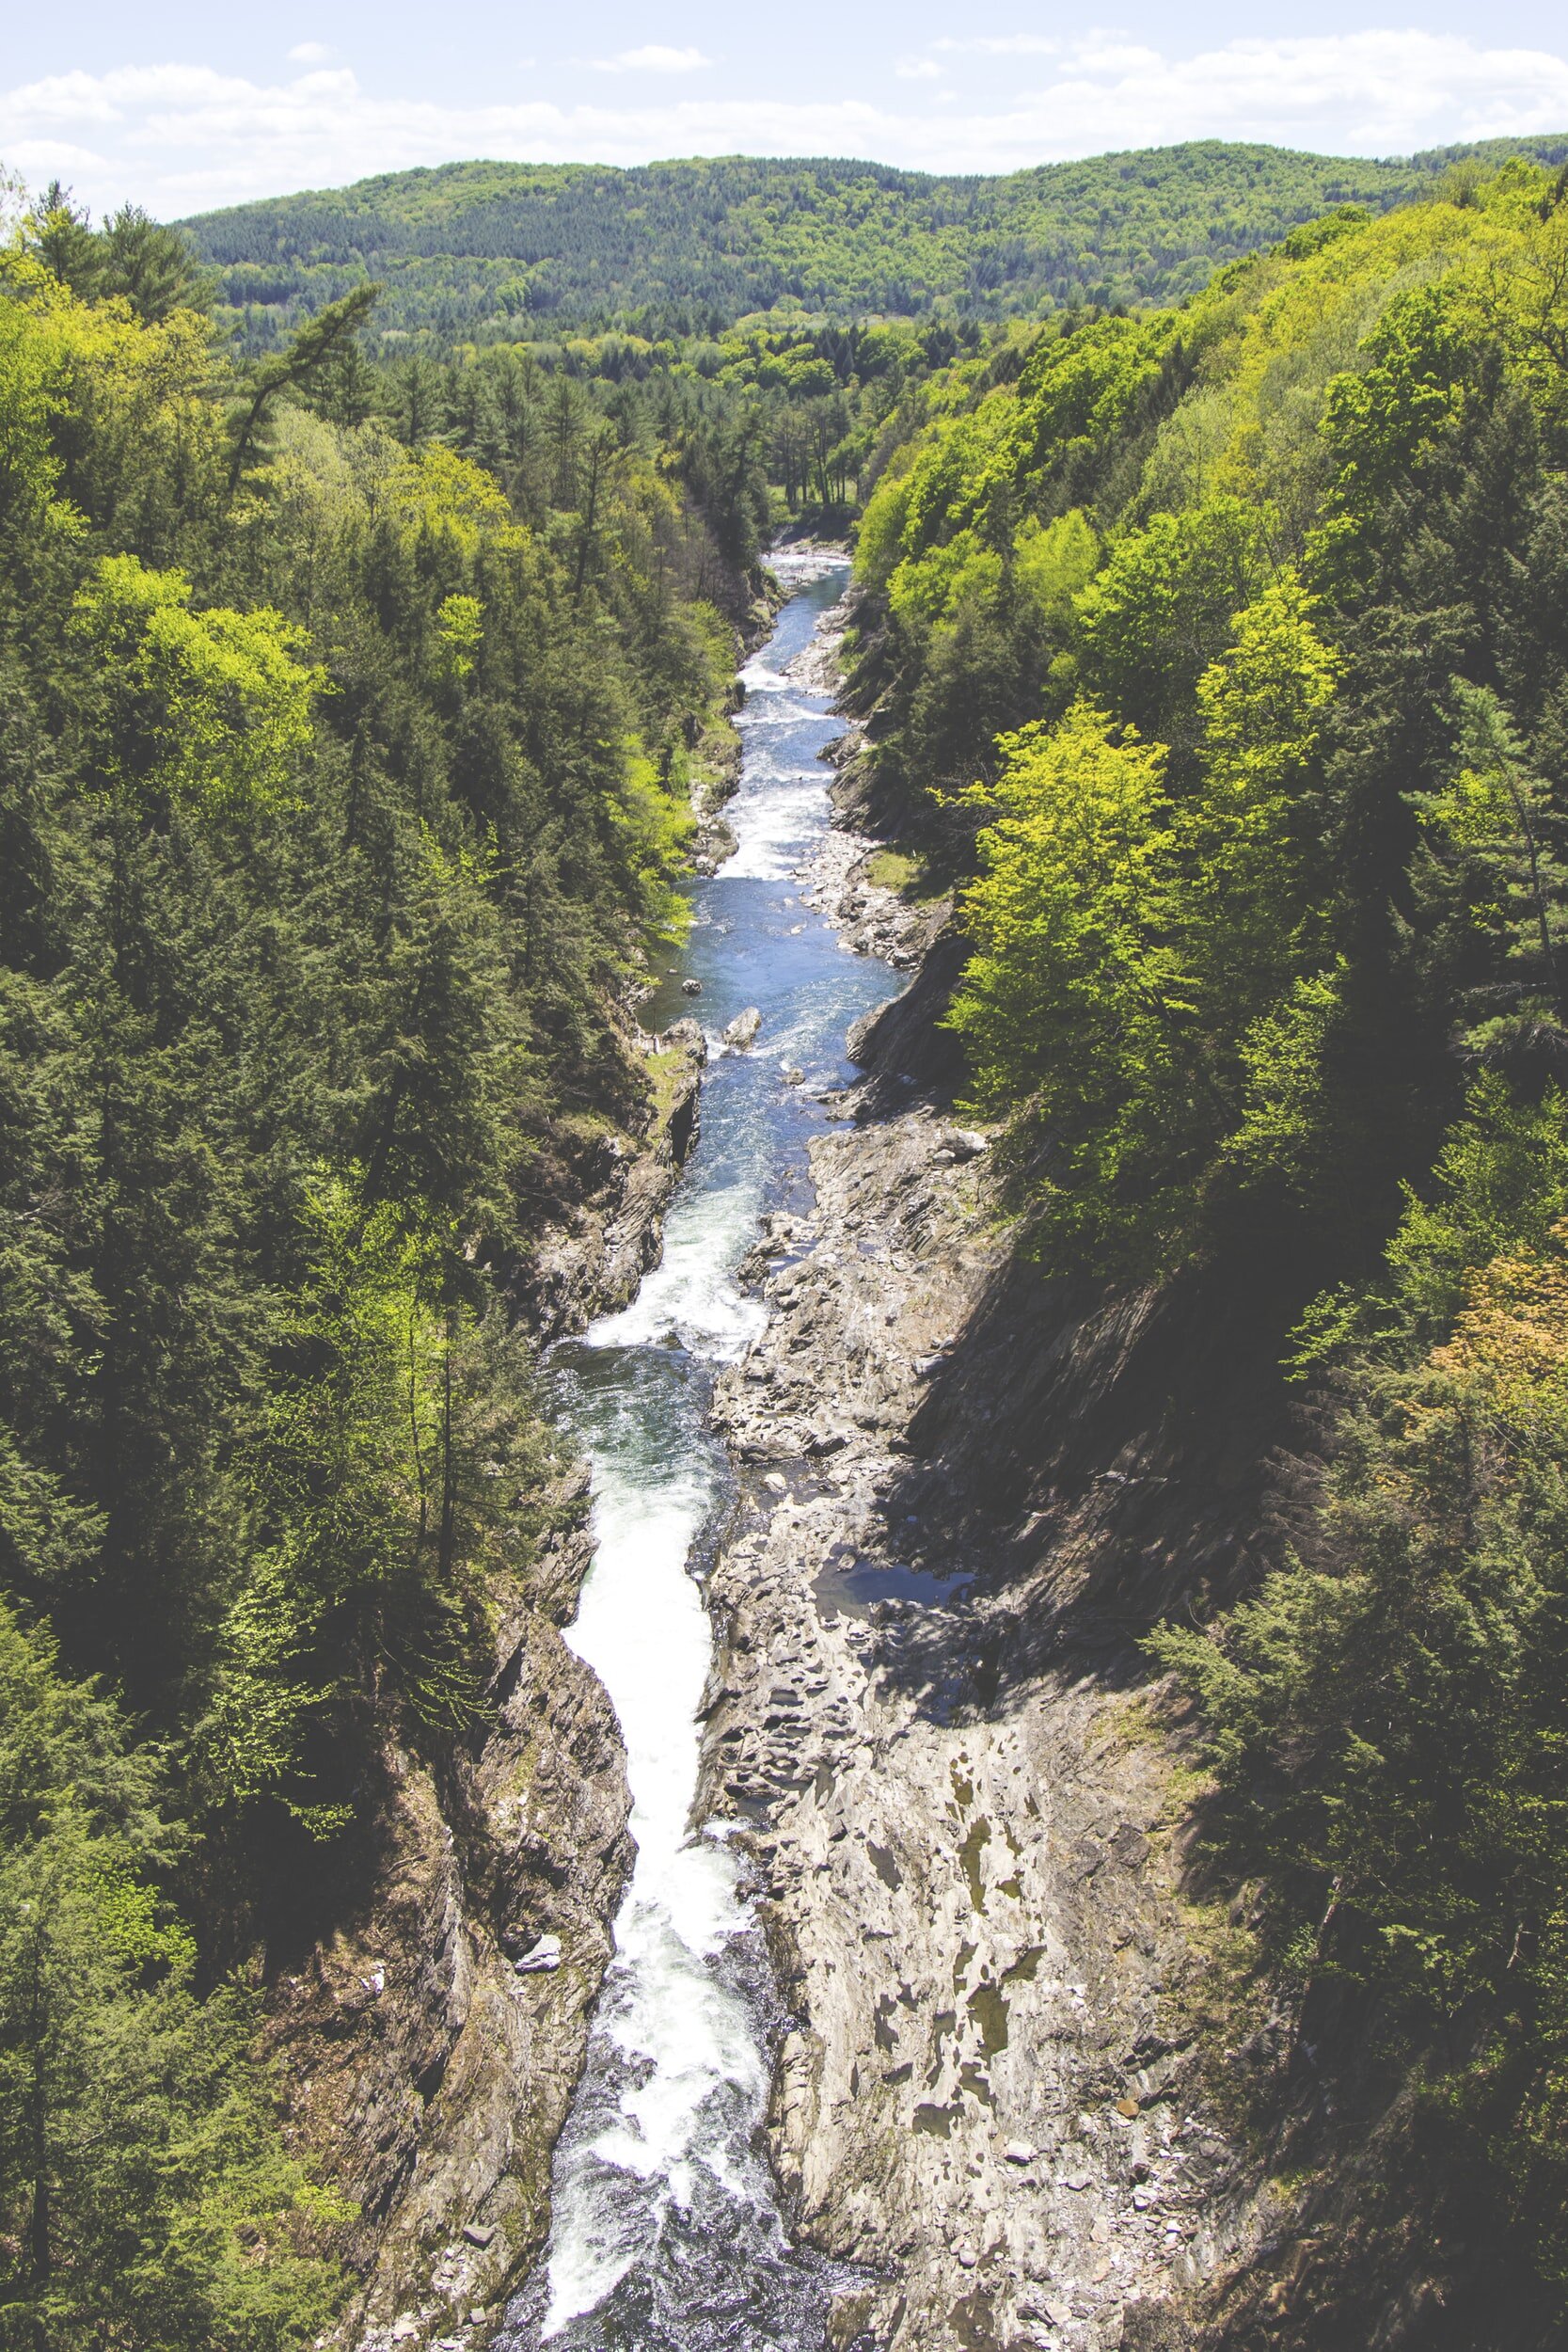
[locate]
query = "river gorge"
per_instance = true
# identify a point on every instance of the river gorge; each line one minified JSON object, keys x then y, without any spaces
{"x":876,"y":2062}
{"x":666,"y":2227}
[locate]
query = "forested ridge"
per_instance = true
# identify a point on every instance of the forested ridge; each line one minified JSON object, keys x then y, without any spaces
{"x":486,"y":252}
{"x":1218,"y":660}
{"x":800,"y":304}
{"x":345,"y":768}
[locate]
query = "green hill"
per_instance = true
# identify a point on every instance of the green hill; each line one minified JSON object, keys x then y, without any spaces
{"x":495,"y":251}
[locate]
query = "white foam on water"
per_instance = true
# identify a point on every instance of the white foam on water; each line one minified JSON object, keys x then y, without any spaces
{"x":685,"y":2036}
{"x":692,"y":2077}
{"x":772,"y":826}
{"x":642,"y":1627}
{"x":692,"y":1295}
{"x":798,"y":568}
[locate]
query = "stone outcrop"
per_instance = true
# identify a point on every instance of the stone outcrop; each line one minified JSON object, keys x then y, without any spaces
{"x":595,"y":1251}
{"x":429,"y":2069}
{"x":962,"y":1837}
{"x":1026,"y":2085}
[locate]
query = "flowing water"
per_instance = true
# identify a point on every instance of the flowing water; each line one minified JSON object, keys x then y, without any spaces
{"x":666,"y":2230}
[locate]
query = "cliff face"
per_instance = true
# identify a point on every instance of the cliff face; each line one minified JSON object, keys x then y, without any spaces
{"x":428,"y":2072}
{"x":962,"y":1838}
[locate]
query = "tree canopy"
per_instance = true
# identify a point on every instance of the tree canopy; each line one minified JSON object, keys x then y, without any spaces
{"x":347,"y":749}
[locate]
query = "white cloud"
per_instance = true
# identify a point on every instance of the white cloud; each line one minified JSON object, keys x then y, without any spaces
{"x":918,"y":70}
{"x":652,"y":58}
{"x":182,"y":137}
{"x":309,"y":52}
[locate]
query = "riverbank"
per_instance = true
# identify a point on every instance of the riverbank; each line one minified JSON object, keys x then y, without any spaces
{"x":430,"y":2075}
{"x":961,"y":1845}
{"x":666,"y":2234}
{"x":969,"y":1905}
{"x":1033,"y":2084}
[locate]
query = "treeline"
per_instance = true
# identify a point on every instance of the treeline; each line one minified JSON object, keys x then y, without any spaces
{"x":480,"y":252}
{"x":344,"y":756}
{"x":1221,"y":659}
{"x":768,"y":422}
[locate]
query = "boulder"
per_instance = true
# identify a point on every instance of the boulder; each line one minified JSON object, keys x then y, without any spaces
{"x":544,"y":1956}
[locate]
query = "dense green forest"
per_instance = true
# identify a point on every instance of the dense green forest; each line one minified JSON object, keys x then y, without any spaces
{"x":345,"y":767}
{"x":492,"y":253}
{"x":803,"y":304}
{"x":1220,"y":658}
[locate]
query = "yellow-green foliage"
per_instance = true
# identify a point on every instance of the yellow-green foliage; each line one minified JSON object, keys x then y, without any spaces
{"x":1073,"y":992}
{"x":1055,"y":559}
{"x":1156,"y":533}
{"x":1274,"y":867}
{"x":1129,"y":946}
{"x":959,"y":572}
{"x":473,"y":250}
{"x":138,"y":395}
{"x":460,"y":625}
{"x":656,"y":824}
{"x":341,"y":786}
{"x":208,"y":710}
{"x":437,"y":491}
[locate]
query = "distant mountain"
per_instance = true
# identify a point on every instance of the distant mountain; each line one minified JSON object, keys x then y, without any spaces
{"x":491,"y":251}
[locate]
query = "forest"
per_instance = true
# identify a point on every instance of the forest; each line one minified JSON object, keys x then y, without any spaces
{"x":494,"y":252}
{"x":803,"y":304}
{"x":1218,"y":659}
{"x":345,"y":779}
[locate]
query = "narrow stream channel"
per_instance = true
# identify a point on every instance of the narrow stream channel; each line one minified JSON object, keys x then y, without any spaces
{"x":667,"y":2231}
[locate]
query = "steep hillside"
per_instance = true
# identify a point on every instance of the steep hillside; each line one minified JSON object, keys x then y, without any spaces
{"x":1216,"y":665}
{"x":345,"y":789}
{"x":493,"y":251}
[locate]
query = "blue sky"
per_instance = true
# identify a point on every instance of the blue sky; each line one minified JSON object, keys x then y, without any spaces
{"x":182,"y":107}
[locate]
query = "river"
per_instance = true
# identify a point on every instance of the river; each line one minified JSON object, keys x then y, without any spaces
{"x":666,"y":2230}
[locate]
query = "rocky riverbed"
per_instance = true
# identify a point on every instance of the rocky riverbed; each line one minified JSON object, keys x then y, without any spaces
{"x":925,"y":1721}
{"x":962,"y":1847}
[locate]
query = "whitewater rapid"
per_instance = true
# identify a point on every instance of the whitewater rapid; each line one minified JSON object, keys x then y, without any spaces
{"x":666,"y":2230}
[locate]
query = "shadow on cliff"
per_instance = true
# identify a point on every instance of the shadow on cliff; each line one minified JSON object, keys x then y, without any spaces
{"x":1097,"y":1460}
{"x":1098,"y":1463}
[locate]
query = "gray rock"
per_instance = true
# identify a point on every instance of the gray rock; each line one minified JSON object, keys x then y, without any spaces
{"x":686,"y":1036}
{"x":743,"y":1028}
{"x":543,"y":1956}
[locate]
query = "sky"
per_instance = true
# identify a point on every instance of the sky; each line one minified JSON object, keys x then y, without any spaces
{"x":181,"y":107}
